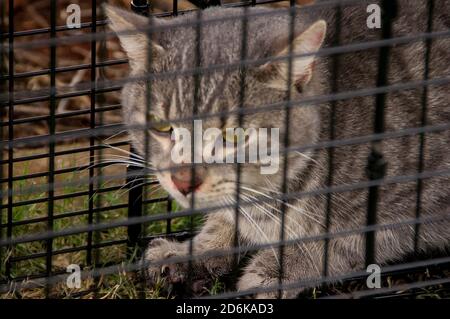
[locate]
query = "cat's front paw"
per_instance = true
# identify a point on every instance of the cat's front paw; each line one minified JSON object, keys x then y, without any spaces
{"x":261,"y":284}
{"x":158,"y":271}
{"x":161,"y":271}
{"x":253,"y":280}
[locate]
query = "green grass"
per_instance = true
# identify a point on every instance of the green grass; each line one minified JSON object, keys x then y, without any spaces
{"x":112,"y":286}
{"x":217,"y":287}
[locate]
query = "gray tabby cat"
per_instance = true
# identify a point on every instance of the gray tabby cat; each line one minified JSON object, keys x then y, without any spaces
{"x":172,"y":98}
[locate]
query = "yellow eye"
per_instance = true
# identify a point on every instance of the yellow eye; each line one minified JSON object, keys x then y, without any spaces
{"x":232,"y":137}
{"x":158,"y":125}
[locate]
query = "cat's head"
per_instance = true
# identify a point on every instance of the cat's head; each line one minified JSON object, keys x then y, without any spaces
{"x":176,"y":91}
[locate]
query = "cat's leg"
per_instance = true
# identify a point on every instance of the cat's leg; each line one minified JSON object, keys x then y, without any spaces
{"x":302,"y":266}
{"x":300,"y":263}
{"x":216,"y":234}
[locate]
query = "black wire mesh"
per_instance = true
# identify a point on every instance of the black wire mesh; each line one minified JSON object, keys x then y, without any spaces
{"x":61,"y":215}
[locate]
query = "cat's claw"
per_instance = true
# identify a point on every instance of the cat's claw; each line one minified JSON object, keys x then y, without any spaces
{"x":258,"y":280}
{"x":172,"y":276}
{"x":159,"y":250}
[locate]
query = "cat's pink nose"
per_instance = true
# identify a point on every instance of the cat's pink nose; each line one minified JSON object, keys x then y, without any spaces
{"x":182,"y":179}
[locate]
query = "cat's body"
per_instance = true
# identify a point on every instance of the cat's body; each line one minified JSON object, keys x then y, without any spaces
{"x":309,"y":124}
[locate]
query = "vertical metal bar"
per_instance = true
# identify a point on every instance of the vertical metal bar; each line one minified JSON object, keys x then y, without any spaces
{"x":99,"y":120}
{"x":140,"y":7}
{"x":175,"y":7}
{"x":91,"y":198}
{"x":242,"y":79}
{"x":10,"y":131}
{"x":169,"y":210}
{"x":169,"y":198}
{"x":148,"y":89}
{"x":204,"y":4}
{"x":3,"y":88}
{"x":134,"y":204}
{"x":376,"y":166}
{"x":286,"y":142}
{"x":52,"y":126}
{"x":332,"y":134}
{"x":424,"y":102}
{"x":148,"y":92}
{"x":136,"y":193}
{"x":198,"y":58}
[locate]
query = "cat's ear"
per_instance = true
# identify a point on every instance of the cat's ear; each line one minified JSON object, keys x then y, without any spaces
{"x":130,"y":28}
{"x":309,"y":41}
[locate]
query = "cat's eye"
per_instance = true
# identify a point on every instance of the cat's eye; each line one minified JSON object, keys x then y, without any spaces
{"x":232,"y":138}
{"x":159,"y":125}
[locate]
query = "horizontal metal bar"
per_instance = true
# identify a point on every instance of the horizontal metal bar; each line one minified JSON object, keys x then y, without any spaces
{"x":67,"y":250}
{"x":65,"y":152}
{"x":82,"y":111}
{"x":60,"y":171}
{"x":99,"y":245}
{"x":67,"y":215}
{"x":44,"y":174}
{"x":60,"y":197}
{"x":23,"y":278}
{"x":155,"y":200}
{"x":43,"y":98}
{"x":84,"y":132}
{"x":84,"y":25}
{"x":63,"y":69}
{"x":77,"y":194}
{"x":385,"y":290}
{"x":55,"y":172}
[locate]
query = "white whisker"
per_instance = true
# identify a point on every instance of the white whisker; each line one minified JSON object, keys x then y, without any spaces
{"x":308,"y":157}
{"x":281,"y":201}
{"x":137,"y":185}
{"x":288,"y":229}
{"x":115,"y":135}
{"x":122,"y":150}
{"x":252,"y":221}
{"x":157,"y":188}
